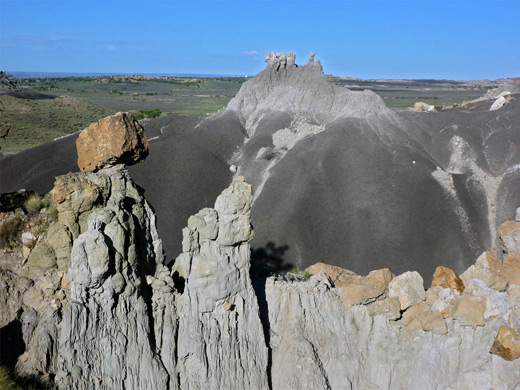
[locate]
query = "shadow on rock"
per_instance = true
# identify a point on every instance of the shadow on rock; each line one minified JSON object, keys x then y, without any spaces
{"x":267,"y":261}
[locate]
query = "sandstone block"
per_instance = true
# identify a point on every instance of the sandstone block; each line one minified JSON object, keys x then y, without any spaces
{"x":498,"y":103}
{"x":434,"y":322}
{"x":362,"y":290}
{"x":28,"y":239}
{"x":42,"y":256}
{"x":117,"y":139}
{"x":489,"y":269}
{"x":389,"y":307}
{"x":423,"y":107}
{"x":447,"y":278}
{"x":408,"y":287}
{"x":512,"y":268}
{"x":416,"y":311}
{"x":469,"y":311}
{"x":506,"y":344}
{"x":339,"y":276}
{"x":509,"y":233}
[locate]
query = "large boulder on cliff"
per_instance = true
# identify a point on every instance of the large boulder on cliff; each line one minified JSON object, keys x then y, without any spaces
{"x":116,"y":139}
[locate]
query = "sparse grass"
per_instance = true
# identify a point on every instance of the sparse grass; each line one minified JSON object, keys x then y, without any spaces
{"x":34,"y":122}
{"x":306,"y":275}
{"x":34,"y":204}
{"x":142,"y":114}
{"x":10,"y":232}
{"x":6,"y":383}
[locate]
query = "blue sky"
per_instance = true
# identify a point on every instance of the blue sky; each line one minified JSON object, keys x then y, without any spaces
{"x":369,"y":39}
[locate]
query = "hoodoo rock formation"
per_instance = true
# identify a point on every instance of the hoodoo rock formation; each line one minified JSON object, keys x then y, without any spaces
{"x":120,"y":318}
{"x":337,"y":176}
{"x":97,"y":306}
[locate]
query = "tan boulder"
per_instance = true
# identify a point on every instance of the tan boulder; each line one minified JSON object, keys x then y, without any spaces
{"x":42,"y":256}
{"x":117,"y":139}
{"x":389,"y":307}
{"x":339,"y":276}
{"x":434,"y":322}
{"x":509,"y":233}
{"x":420,"y":316}
{"x":512,"y":268}
{"x":489,"y":269}
{"x":408,"y":287}
{"x":363,"y":290}
{"x":447,"y":278}
{"x":469,"y":311}
{"x":506,"y":344}
{"x":416,"y":311}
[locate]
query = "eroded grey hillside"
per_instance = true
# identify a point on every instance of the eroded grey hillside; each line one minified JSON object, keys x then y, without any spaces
{"x":337,"y":176}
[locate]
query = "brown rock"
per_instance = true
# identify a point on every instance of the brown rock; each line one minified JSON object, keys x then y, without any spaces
{"x":447,"y":278}
{"x":469,"y":311}
{"x":512,"y":268}
{"x":489,"y":269}
{"x":117,"y":139}
{"x":363,"y":290}
{"x":434,"y":322}
{"x":389,"y":307}
{"x":339,"y":276}
{"x":420,"y":316}
{"x":227,"y":306}
{"x":416,"y":311}
{"x":506,"y":344}
{"x":509,"y":233}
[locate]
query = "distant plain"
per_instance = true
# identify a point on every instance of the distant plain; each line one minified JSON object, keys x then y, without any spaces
{"x":34,"y":116}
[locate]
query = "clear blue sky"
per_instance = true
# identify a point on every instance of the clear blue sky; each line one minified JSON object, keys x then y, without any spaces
{"x":369,"y":39}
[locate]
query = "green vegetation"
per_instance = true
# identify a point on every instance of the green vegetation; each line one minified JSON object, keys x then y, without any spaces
{"x":405,"y":93}
{"x":142,"y":114}
{"x":34,"y":204}
{"x":32,"y":122}
{"x":6,"y":383}
{"x":306,"y":275}
{"x":10,"y":232}
{"x":73,"y":103}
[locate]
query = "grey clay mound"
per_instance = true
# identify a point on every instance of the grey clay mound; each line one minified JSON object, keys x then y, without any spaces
{"x":337,"y":176}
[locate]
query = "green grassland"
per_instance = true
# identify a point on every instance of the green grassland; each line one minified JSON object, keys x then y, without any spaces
{"x":190,"y":96}
{"x":31,"y":122}
{"x":405,"y":93}
{"x":66,"y":105}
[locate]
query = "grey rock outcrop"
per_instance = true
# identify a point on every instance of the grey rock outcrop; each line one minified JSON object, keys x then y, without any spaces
{"x":109,"y":263}
{"x":312,"y":98}
{"x":221,"y":342}
{"x":318,"y":342}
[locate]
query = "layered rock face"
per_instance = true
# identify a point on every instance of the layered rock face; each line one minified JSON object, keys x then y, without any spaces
{"x":337,"y":176}
{"x":123,"y":319}
{"x":108,"y":316}
{"x":221,"y":342}
{"x":302,"y":92}
{"x":328,"y":333}
{"x":117,"y":319}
